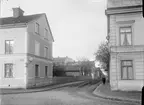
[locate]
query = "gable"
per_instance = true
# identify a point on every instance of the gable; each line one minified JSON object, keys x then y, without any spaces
{"x":43,"y":24}
{"x":49,"y":29}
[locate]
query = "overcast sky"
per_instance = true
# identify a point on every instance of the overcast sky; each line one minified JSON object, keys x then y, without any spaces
{"x":78,"y":26}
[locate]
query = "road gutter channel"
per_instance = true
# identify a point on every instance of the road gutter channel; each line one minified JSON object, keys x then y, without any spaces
{"x":42,"y":89}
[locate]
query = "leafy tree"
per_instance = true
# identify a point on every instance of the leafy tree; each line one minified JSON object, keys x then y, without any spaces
{"x":103,"y":55}
{"x":58,"y":70}
{"x":85,"y":65}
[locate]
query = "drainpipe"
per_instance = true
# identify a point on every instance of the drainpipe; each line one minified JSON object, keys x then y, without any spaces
{"x":108,"y":37}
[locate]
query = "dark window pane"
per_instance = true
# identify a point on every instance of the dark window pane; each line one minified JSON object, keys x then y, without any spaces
{"x":36,"y":70}
{"x":124,"y":73}
{"x":130,"y":73}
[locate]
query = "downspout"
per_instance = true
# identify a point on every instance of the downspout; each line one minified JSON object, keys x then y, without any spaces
{"x":108,"y":33}
{"x":108,"y":37}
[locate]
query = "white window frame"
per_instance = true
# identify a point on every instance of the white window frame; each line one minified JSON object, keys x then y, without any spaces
{"x":127,"y":23}
{"x":127,"y":66}
{"x":11,"y":74}
{"x":125,"y":34}
{"x":37,"y":28}
{"x":9,"y":47}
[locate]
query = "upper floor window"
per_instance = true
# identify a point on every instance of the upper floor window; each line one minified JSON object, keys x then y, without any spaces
{"x":8,"y":70}
{"x":125,"y":36}
{"x":45,"y":33}
{"x":126,"y":69}
{"x":37,"y":48}
{"x":46,"y":52}
{"x":37,"y":28}
{"x":9,"y":44}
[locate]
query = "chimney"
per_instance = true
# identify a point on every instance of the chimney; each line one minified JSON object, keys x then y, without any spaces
{"x":17,"y":12}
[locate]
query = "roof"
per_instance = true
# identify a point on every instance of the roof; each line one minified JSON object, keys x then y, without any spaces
{"x":21,"y":19}
{"x":63,"y":59}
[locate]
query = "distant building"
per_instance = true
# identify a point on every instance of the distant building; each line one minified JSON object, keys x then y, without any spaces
{"x":62,"y":60}
{"x":72,"y":70}
{"x":125,"y":36}
{"x":26,"y":50}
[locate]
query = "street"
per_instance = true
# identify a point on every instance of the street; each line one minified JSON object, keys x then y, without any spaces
{"x":77,"y":94}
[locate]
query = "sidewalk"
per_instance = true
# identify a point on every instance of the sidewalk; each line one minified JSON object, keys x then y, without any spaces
{"x":104,"y":91}
{"x":37,"y":89}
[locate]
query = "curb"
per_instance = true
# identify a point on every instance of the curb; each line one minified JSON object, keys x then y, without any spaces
{"x":95,"y":93}
{"x":40,"y":89}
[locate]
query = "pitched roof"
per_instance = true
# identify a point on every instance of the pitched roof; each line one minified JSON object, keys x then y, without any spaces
{"x":21,"y":19}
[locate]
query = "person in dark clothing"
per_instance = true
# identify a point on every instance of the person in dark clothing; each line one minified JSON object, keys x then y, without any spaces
{"x":103,"y":80}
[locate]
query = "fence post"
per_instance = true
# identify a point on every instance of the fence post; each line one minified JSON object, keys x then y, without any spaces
{"x":142,"y":98}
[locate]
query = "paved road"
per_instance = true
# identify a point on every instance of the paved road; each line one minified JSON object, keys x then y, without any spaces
{"x":70,"y":95}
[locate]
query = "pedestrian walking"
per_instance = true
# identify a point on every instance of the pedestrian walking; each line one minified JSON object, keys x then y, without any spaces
{"x":103,"y":80}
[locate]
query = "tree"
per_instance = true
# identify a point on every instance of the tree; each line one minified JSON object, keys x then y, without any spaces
{"x":103,"y":55}
{"x":58,"y":70}
{"x":85,"y":65}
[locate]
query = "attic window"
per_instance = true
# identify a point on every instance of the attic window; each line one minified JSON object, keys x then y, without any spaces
{"x":45,"y":33}
{"x":36,"y":28}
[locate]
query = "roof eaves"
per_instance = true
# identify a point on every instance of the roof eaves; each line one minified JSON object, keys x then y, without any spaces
{"x":49,"y":27}
{"x":13,"y":25}
{"x":33,"y":20}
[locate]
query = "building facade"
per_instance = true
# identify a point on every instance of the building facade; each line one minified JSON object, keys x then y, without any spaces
{"x":26,"y":50}
{"x":125,"y":36}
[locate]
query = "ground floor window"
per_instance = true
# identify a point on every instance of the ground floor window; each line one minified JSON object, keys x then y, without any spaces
{"x":8,"y":70}
{"x":46,"y":71}
{"x":36,"y":70}
{"x":126,"y":69}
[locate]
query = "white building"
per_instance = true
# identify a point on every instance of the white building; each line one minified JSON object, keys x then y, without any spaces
{"x":125,"y":34}
{"x":26,"y":50}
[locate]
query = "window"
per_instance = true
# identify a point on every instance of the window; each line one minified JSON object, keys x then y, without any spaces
{"x":8,"y":70}
{"x":125,"y":36}
{"x":36,"y":70}
{"x":126,"y":70}
{"x":9,"y":44}
{"x":37,"y":28}
{"x":37,"y":48}
{"x":45,"y":33}
{"x":46,"y":52}
{"x":46,"y":71}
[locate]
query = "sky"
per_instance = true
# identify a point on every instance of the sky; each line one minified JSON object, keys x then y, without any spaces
{"x":78,"y":26}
